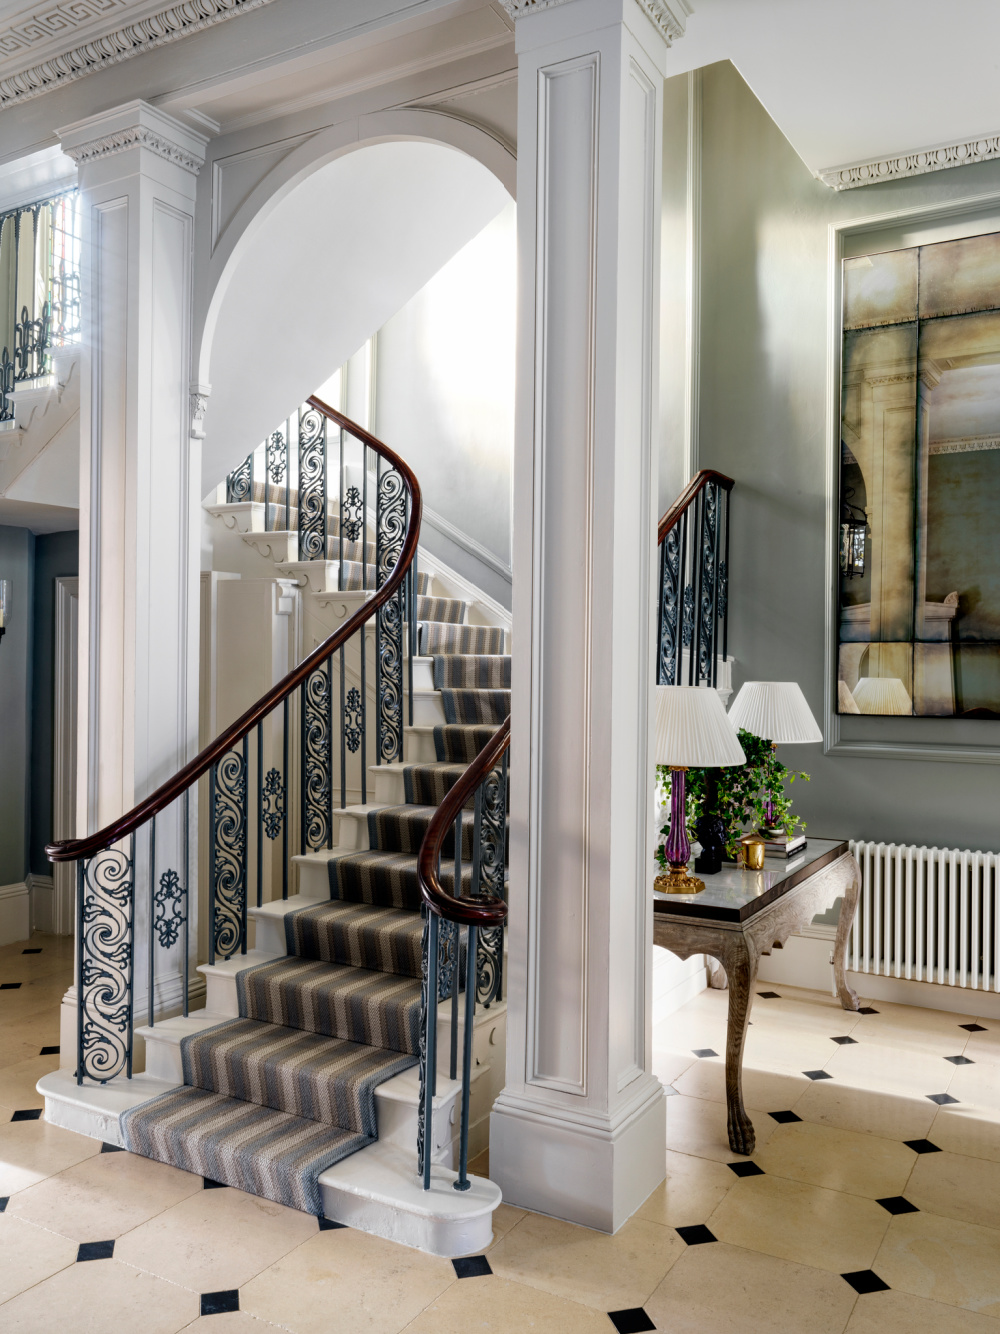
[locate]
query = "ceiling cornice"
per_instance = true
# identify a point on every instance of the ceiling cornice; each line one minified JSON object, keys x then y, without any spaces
{"x":131,"y":39}
{"x":982,"y":149}
{"x":667,"y":16}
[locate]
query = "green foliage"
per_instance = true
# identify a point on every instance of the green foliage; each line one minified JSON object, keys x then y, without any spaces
{"x":741,"y":794}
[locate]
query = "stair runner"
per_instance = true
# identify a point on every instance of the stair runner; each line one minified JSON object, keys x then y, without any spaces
{"x":272,"y":1099}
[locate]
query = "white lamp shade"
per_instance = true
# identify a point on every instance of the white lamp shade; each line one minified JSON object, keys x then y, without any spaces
{"x":692,"y":730}
{"x":882,"y":694}
{"x":846,"y":703}
{"x":774,"y":711}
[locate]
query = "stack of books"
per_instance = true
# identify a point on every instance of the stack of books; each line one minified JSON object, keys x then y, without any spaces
{"x":777,"y":844}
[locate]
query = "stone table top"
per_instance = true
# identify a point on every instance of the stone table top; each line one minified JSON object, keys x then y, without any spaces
{"x":736,"y":894}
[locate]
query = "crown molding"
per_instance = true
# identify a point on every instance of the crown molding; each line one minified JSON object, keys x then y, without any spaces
{"x":131,"y":39}
{"x":983,"y":149}
{"x":669,"y":17}
{"x":135,"y":137}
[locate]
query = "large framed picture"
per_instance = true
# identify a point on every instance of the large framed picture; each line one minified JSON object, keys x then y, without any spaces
{"x":919,"y":532}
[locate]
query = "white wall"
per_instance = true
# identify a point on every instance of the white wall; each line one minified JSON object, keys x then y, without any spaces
{"x":339,"y":255}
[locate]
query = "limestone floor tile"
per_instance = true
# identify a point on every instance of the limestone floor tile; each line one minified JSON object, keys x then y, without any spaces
{"x":682,"y":1034}
{"x":871,"y":1111}
{"x":890,"y":1069}
{"x":955,"y":1186}
{"x":902,"y":1313}
{"x":215,"y":1239}
{"x":805,"y":1224}
{"x":15,"y":1047}
{"x":668,"y":1066}
{"x":28,"y":1254}
{"x":504,"y":1218}
{"x":977,"y":1085}
{"x":699,"y":1127}
{"x":764,"y":1089}
{"x":943,"y":1259}
{"x":728,"y":1290}
{"x":606,"y":1272}
{"x":17,"y":1082}
{"x":913,"y":1028}
{"x":100,"y":1297}
{"x":231,"y":1322}
{"x":984,"y":1046}
{"x":693,"y":1189}
{"x":104,"y":1196}
{"x":30,"y":1151}
{"x":844,"y":1160}
{"x":348,"y":1281}
{"x":491,"y":1305}
{"x":974,"y":1131}
{"x":480,"y":1165}
{"x":801,"y":1018}
{"x":772,"y":1049}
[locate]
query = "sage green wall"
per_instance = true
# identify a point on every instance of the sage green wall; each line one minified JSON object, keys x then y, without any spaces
{"x":16,"y":564}
{"x":763,"y":419}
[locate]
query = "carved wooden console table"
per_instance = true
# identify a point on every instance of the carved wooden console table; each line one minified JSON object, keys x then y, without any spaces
{"x":741,"y":915}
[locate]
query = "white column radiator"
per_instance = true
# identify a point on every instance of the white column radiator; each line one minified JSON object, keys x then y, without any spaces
{"x":927,"y":914}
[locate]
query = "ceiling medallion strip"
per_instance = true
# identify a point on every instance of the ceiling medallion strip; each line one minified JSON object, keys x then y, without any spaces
{"x":983,"y":149}
{"x":132,"y":39}
{"x":668,"y":18}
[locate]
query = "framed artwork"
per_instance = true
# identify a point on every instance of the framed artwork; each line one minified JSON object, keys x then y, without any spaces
{"x":919,"y":533}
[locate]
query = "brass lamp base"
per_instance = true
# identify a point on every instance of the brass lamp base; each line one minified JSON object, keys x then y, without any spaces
{"x":677,"y":881}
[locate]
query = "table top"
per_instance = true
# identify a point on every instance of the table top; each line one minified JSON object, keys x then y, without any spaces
{"x":736,"y":894}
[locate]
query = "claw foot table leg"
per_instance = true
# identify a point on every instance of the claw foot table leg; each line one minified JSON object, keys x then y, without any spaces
{"x":741,"y":968}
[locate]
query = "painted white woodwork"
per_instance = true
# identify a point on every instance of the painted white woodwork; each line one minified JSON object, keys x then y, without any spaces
{"x":139,"y":468}
{"x":59,"y":919}
{"x":579,"y":1130}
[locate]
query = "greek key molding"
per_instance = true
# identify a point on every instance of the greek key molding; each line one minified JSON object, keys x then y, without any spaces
{"x":168,"y":25}
{"x":136,"y":136}
{"x":983,"y":149}
{"x":669,"y":19}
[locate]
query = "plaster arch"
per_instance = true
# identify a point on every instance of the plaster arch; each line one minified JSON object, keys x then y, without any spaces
{"x":477,"y":170}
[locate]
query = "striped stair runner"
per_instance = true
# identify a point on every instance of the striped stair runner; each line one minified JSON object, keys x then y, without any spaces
{"x":272,"y":1099}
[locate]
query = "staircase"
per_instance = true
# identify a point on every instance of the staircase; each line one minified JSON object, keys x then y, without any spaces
{"x":305,"y":1078}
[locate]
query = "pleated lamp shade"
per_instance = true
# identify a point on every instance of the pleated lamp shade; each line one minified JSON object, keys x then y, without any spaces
{"x":846,"y":703}
{"x":692,"y":729}
{"x":774,"y":711}
{"x":882,"y":694}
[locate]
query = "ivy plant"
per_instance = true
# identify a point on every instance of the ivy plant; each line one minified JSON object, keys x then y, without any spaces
{"x":741,"y":794}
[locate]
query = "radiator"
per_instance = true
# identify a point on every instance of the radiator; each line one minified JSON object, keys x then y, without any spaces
{"x":928,"y":914}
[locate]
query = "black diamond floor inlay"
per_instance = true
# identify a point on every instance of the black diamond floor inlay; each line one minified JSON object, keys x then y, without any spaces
{"x":49,"y":1051}
{"x":633,"y":1320}
{"x":218,"y":1303}
{"x":867,"y":1009}
{"x":769,"y":995}
{"x":328,"y":1225}
{"x":3,"y":1202}
{"x":942,"y":1099}
{"x":816,"y":1074}
{"x":974,"y":1028}
{"x":865,"y":1280}
{"x":746,"y":1169}
{"x":213,"y":1185}
{"x":9,"y":986}
{"x":111,"y":1148}
{"x":30,"y":1114}
{"x":959,"y":1060}
{"x":35,"y":951}
{"x":845,"y":1042}
{"x":784,"y":1118}
{"x":472,"y":1266}
{"x":704,"y":1052}
{"x":95,"y":1250}
{"x":895,"y":1204}
{"x":921,"y":1146}
{"x":696,"y":1235}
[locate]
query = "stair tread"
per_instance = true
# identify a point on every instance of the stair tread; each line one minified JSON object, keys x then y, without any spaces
{"x":475,"y":707}
{"x":386,"y":879}
{"x":478,"y":671}
{"x":388,"y":940}
{"x":402,"y":829}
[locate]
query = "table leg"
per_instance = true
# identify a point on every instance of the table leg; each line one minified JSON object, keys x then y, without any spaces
{"x":848,"y":997}
{"x":740,"y":963}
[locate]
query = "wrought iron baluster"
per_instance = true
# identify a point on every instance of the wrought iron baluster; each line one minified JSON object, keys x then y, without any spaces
{"x":463,"y":1182}
{"x":715,"y":589}
{"x":390,"y":532}
{"x":239,"y":483}
{"x":105,"y":920}
{"x":317,"y":778}
{"x":707,"y":567}
{"x":669,"y":598}
{"x":428,"y":1047}
{"x":453,"y":1067}
{"x":152,"y":913}
{"x":724,"y":590}
{"x":286,"y":801}
{"x":313,"y":504}
{"x":187,"y":896}
{"x":260,"y":813}
{"x":229,"y":853}
{"x":491,"y":856}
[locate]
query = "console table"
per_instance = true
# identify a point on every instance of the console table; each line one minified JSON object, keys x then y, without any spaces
{"x":742,"y":914}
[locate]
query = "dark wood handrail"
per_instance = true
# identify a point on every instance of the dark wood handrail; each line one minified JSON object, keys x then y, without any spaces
{"x":480,"y":909}
{"x":696,"y":484}
{"x":69,"y":850}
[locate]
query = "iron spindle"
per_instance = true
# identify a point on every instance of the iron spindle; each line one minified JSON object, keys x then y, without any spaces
{"x":430,"y":1044}
{"x":715,"y":588}
{"x":681,"y":602}
{"x":131,"y":960}
{"x":212,"y":859}
{"x":287,"y":799}
{"x":81,"y":995}
{"x":725,"y":592}
{"x":470,"y":1016}
{"x":260,"y":813}
{"x":152,"y":911}
{"x":187,"y":896}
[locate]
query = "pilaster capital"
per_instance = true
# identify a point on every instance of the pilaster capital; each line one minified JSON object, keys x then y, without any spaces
{"x":669,"y":17}
{"x":199,"y":406}
{"x":134,"y":125}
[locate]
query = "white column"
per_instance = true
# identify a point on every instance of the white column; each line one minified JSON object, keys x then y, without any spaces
{"x":140,"y":477}
{"x":579,"y":1131}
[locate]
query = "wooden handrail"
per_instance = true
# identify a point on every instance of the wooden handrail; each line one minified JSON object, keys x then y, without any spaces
{"x":696,"y":484}
{"x":68,"y":850}
{"x":483,"y":910}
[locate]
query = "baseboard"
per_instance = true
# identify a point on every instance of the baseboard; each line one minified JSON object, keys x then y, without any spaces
{"x":51,"y":905}
{"x":15,"y":913}
{"x":805,"y":962}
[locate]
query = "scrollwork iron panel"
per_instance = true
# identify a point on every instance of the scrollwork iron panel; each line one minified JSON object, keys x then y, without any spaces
{"x":273,"y":804}
{"x":276,"y":456}
{"x":169,"y":909}
{"x":229,"y":853}
{"x":106,"y":921}
{"x":670,"y":606}
{"x":489,"y":874}
{"x":354,"y":715}
{"x":317,"y":759}
{"x":239,"y":483}
{"x":354,"y":512}
{"x":425,"y":993}
{"x":707,"y":555}
{"x":312,"y":485}
{"x":390,"y":533}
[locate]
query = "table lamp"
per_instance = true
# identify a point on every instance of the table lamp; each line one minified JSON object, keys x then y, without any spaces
{"x":692,"y":731}
{"x":776,"y":711}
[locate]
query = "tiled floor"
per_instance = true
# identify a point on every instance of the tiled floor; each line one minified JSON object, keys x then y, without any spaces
{"x":868,"y":1208}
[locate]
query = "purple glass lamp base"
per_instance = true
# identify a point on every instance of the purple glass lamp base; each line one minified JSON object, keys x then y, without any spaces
{"x":678,"y":847}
